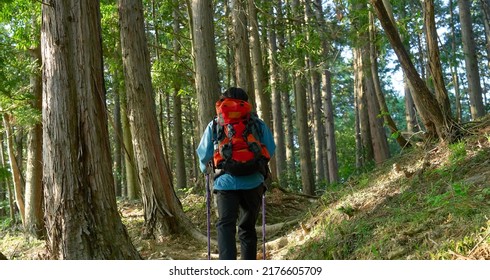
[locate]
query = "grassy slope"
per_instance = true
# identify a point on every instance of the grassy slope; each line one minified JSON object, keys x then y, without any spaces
{"x":431,"y":203}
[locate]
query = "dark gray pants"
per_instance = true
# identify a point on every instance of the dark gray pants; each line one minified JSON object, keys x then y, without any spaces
{"x":244,"y":206}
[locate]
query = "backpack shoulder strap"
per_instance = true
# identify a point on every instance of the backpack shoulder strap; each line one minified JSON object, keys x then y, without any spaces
{"x":255,"y":126}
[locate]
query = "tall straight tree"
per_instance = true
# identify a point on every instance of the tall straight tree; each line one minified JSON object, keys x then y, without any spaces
{"x":262,"y":98}
{"x":453,"y":62}
{"x":485,"y":5}
{"x":331,"y":149}
{"x":205,"y":64}
{"x":471,"y":61}
{"x":241,"y":48}
{"x":317,"y":129}
{"x":277,"y":114}
{"x":34,"y":223}
{"x":180,"y":177}
{"x":306,"y":167}
{"x":82,"y":220}
{"x":161,"y":206}
{"x":285,"y":97}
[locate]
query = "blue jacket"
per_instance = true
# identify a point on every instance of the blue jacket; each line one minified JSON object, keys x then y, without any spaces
{"x":205,"y":152}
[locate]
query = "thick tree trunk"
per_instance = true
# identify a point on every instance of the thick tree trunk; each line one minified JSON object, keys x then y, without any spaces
{"x":206,"y":66}
{"x":435,"y":67}
{"x":367,"y":151}
{"x":159,"y":200}
{"x":471,"y":61}
{"x":378,"y":134}
{"x":82,"y":220}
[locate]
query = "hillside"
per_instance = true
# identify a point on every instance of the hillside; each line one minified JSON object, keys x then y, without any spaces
{"x":429,"y":202}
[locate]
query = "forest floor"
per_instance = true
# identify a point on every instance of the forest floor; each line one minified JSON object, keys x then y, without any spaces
{"x":427,"y":202}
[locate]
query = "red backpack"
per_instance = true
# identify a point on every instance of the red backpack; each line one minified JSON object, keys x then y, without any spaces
{"x":237,"y":148}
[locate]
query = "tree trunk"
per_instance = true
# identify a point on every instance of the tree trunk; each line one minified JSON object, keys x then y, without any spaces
{"x":471,"y":62}
{"x":206,"y":66}
{"x":367,"y":151}
{"x":132,"y":183}
{"x":241,"y":47}
{"x":14,"y":169}
{"x":180,"y":176}
{"x":306,"y":167}
{"x":286,"y":103}
{"x":485,"y":4}
{"x":82,"y":220}
{"x":317,"y":129}
{"x":388,"y":120}
{"x":453,"y":63}
{"x":331,"y":146}
{"x":378,"y":134}
{"x":118,"y":138}
{"x":34,"y":223}
{"x":277,"y":115}
{"x":435,"y":67}
{"x":436,"y":123}
{"x":160,"y":203}
{"x":7,"y":181}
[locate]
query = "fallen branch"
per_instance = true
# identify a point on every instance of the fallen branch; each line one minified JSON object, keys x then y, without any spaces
{"x":273,"y":229}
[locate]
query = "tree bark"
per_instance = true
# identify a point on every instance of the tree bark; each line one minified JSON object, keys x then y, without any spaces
{"x":206,"y":66}
{"x":34,"y":223}
{"x":161,"y":205}
{"x":241,"y":47}
{"x":317,"y":129}
{"x":180,"y":176}
{"x":436,"y":123}
{"x":453,"y":62}
{"x":472,"y":75}
{"x":435,"y":68}
{"x":306,"y":167}
{"x":390,"y":123}
{"x":132,"y":183}
{"x":82,"y":220}
{"x":7,"y":181}
{"x":277,"y":115}
{"x":331,"y":146}
{"x":14,"y":169}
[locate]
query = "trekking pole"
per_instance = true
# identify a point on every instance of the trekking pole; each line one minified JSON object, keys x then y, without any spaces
{"x":208,"y":214}
{"x":263,"y":226}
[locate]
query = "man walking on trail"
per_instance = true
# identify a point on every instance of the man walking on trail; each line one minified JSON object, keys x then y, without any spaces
{"x":239,"y":179}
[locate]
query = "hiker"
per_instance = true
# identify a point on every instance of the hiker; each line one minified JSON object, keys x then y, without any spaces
{"x":238,"y":193}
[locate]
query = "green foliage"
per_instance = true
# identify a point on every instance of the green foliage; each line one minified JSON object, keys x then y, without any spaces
{"x":458,"y":152}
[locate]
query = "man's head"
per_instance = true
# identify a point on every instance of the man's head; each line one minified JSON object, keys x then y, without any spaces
{"x":235,"y":93}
